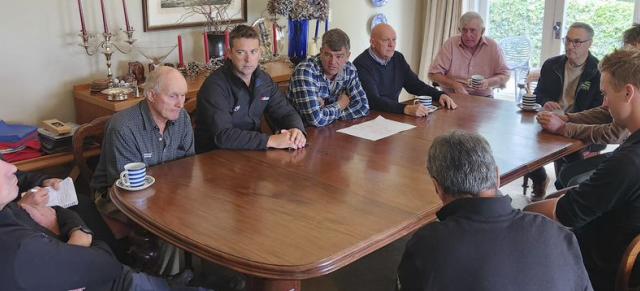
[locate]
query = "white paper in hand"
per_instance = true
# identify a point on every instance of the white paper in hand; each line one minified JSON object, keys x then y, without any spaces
{"x":65,"y":197}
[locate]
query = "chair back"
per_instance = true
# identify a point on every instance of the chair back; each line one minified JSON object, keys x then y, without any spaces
{"x":517,"y":51}
{"x":626,"y":266}
{"x":94,"y":129}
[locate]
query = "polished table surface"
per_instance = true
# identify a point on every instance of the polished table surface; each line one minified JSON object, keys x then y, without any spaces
{"x":291,"y":215}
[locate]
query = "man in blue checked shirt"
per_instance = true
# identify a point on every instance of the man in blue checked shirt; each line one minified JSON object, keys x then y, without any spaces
{"x":325,"y":88}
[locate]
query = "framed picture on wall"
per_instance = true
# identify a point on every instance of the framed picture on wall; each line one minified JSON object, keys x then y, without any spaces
{"x":173,"y":14}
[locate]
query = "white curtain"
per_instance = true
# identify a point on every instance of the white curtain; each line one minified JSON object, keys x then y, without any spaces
{"x":441,"y":21}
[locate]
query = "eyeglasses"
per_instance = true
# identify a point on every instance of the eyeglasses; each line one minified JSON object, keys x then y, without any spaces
{"x":575,"y":42}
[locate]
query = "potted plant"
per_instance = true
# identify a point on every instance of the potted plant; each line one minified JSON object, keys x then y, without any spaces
{"x":216,"y":15}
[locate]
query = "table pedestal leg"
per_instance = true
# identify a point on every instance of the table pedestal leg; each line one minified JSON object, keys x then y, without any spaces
{"x":260,"y":284}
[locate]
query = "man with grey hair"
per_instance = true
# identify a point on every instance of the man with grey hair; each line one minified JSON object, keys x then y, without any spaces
{"x":480,"y":241}
{"x":326,"y":87}
{"x":156,"y":130}
{"x":568,"y":83}
{"x":468,"y":54}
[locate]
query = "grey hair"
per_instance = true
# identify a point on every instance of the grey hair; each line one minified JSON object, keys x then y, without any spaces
{"x":153,"y":81}
{"x":336,"y":39}
{"x":468,"y":17}
{"x":462,"y":164}
{"x":584,"y":26}
{"x":631,"y":36}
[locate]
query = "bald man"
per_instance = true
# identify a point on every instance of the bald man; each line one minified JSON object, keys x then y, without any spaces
{"x":156,"y":130}
{"x":384,"y":72}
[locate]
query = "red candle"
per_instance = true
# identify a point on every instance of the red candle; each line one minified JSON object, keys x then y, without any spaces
{"x":181,"y":64}
{"x":126,"y":15}
{"x":206,"y":48}
{"x":104,"y":17}
{"x":275,"y":39}
{"x":227,"y":46}
{"x":84,"y":29}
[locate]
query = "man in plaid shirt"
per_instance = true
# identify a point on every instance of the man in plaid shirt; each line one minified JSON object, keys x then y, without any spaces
{"x":325,"y":88}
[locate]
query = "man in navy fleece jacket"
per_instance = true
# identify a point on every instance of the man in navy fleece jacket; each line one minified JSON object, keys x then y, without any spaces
{"x":384,"y":72}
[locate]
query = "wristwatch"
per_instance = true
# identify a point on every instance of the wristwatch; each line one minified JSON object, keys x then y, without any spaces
{"x":83,"y":229}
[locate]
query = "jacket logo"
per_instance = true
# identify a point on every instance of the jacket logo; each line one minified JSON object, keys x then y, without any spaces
{"x":585,"y":86}
{"x":264,"y":98}
{"x":235,"y":109}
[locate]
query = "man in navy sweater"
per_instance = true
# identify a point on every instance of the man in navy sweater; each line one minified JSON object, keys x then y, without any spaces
{"x":384,"y":72}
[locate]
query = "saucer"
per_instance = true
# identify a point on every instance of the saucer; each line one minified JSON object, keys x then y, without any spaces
{"x":148,"y":181}
{"x":535,"y":107}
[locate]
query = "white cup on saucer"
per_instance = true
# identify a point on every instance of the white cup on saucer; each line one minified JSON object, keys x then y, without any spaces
{"x":134,"y":174}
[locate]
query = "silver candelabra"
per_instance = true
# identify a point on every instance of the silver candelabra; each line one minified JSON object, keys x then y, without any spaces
{"x":106,"y":46}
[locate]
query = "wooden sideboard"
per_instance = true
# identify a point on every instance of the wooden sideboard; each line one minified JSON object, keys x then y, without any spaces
{"x":90,"y":106}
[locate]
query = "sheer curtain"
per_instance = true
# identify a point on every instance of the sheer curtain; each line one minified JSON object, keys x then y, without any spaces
{"x":441,"y":21}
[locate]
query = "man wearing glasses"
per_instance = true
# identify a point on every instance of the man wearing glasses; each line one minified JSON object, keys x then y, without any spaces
{"x":568,"y":83}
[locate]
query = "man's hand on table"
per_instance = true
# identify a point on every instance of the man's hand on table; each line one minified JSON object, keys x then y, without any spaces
{"x":551,"y":121}
{"x":460,"y":89}
{"x":287,"y":139}
{"x":447,"y":102}
{"x":552,"y":106}
{"x":417,"y":110}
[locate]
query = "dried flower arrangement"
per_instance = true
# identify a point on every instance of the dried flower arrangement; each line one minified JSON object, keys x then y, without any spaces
{"x":216,"y":15}
{"x":299,"y":9}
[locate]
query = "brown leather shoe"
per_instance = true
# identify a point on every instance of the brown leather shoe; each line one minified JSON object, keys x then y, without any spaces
{"x":539,"y":189}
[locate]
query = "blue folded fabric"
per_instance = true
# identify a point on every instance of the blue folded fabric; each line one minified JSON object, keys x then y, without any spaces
{"x":15,"y":132}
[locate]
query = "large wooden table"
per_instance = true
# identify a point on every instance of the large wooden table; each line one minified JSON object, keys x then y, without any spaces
{"x":291,"y":215}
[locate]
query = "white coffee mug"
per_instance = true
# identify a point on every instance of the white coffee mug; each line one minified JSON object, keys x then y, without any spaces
{"x":134,"y":174}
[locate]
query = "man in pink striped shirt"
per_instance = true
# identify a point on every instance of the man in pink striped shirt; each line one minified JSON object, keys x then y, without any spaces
{"x":470,"y":53}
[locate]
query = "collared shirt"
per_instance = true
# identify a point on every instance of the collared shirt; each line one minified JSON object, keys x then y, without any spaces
{"x":376,"y":58}
{"x":456,"y":62}
{"x":485,"y":244}
{"x":605,"y":212}
{"x":309,"y":84}
{"x":133,"y":136}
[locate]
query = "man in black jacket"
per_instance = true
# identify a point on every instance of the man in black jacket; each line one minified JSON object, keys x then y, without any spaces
{"x":233,"y":99}
{"x":45,"y":248}
{"x":568,"y":83}
{"x":384,"y":72}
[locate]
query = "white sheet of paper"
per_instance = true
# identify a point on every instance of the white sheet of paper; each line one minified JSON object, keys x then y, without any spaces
{"x":65,"y":197}
{"x":376,"y":129}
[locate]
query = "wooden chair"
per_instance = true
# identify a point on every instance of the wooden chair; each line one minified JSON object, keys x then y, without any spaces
{"x":95,"y":129}
{"x":626,"y":266}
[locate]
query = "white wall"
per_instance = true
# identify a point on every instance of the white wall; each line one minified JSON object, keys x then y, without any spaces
{"x":42,"y":60}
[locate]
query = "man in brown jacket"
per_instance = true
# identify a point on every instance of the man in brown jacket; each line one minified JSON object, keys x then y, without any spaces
{"x":590,"y":126}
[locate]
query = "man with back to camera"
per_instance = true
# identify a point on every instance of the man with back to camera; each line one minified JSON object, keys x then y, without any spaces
{"x":326,"y":87}
{"x":383,"y":72}
{"x":234,"y":98}
{"x":480,"y":241}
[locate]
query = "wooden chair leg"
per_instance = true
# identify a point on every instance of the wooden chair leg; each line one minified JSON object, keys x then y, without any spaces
{"x":525,"y":184}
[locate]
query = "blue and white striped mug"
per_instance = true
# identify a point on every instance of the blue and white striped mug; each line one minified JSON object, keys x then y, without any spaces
{"x":134,"y":174}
